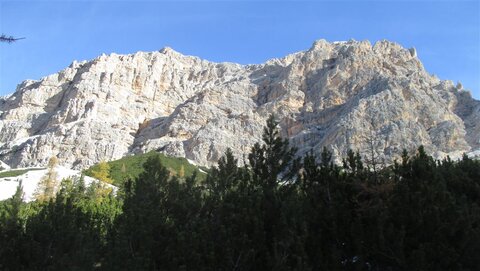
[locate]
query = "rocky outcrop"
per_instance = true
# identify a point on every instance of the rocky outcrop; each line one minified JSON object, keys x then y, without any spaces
{"x":343,"y":95}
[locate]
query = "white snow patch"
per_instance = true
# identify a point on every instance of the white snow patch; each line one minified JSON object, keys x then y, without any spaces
{"x":31,"y":179}
{"x":3,"y":166}
{"x":458,"y":155}
{"x":22,"y":140}
{"x":258,"y":78}
{"x":474,"y":154}
{"x":195,"y":164}
{"x":192,"y":162}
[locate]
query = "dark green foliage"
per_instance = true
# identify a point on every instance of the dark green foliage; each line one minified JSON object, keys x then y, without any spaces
{"x":273,"y":165}
{"x":159,"y":227}
{"x":130,"y":167}
{"x":276,"y":213}
{"x":11,"y":239}
{"x":437,"y":215}
{"x":236,"y":223}
{"x":66,"y":233}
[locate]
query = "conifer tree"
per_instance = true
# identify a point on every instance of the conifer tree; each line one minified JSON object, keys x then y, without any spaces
{"x":46,"y":188}
{"x":102,"y":172}
{"x":235,"y":220}
{"x":11,"y":231}
{"x":272,"y":164}
{"x":141,"y":228}
{"x":419,"y":214}
{"x":181,"y":172}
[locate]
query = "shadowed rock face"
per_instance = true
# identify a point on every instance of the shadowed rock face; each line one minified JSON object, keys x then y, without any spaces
{"x":343,"y":95}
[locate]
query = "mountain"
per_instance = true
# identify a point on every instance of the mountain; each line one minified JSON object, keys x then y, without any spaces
{"x":377,"y":99}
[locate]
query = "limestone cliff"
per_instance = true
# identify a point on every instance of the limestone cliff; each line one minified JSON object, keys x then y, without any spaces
{"x":343,"y":95}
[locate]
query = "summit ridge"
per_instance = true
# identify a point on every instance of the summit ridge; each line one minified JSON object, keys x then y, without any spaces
{"x":342,"y":95}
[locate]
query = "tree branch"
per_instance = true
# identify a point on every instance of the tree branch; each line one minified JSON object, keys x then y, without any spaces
{"x":8,"y":39}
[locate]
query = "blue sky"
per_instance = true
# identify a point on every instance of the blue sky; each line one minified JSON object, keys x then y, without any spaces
{"x":445,"y":33}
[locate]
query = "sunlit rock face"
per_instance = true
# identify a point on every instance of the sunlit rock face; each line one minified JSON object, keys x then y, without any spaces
{"x":342,"y":95}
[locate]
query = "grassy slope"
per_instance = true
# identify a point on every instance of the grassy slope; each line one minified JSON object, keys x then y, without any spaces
{"x":16,"y":172}
{"x":133,"y":167}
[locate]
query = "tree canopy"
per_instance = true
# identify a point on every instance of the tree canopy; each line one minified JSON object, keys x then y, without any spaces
{"x":277,"y":212}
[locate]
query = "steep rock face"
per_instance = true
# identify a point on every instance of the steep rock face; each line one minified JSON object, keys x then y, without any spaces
{"x":343,"y":95}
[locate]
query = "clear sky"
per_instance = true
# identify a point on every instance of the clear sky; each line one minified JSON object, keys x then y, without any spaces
{"x":445,"y":33}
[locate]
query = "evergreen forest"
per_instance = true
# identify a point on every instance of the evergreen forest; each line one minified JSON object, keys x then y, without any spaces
{"x":278,"y":211}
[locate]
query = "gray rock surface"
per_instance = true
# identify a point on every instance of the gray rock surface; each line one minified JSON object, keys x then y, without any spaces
{"x":343,"y":95}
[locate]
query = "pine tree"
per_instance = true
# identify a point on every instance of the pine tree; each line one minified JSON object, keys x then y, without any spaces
{"x":320,"y":185}
{"x":141,"y":228}
{"x":181,"y":172}
{"x":16,"y":201}
{"x":46,"y":188}
{"x":273,"y":164}
{"x":102,"y":172}
{"x":235,"y":222}
{"x":11,"y":230}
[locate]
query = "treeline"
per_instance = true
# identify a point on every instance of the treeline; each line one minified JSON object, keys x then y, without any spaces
{"x":276,"y":213}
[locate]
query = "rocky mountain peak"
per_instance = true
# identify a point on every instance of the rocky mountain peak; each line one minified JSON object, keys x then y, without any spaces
{"x":169,"y":51}
{"x":342,"y":95}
